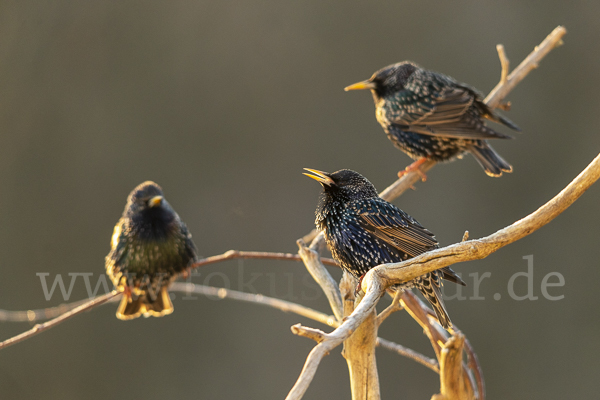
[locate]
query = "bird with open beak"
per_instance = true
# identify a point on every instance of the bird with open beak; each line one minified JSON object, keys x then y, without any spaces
{"x":363,"y":231}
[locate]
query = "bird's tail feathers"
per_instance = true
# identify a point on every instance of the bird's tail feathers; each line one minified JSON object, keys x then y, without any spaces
{"x":448,"y":274}
{"x":507,"y":122}
{"x":489,"y":160}
{"x":432,"y":294}
{"x":131,"y":308}
{"x":494,"y":116}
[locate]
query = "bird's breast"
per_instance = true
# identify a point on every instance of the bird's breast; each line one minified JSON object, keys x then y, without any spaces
{"x":381,"y":115}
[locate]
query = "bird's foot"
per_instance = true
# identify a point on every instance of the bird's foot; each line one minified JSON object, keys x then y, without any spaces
{"x":415,"y":167}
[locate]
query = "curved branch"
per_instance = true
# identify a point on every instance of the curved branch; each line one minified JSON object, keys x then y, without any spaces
{"x":395,"y":273}
{"x":314,"y":265}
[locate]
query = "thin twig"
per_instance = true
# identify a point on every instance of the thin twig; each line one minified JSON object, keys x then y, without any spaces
{"x":465,"y":236}
{"x":261,"y":255}
{"x":392,"y":308}
{"x":315,"y":334}
{"x":312,"y":262}
{"x":41,"y":314}
{"x":532,"y":61}
{"x":504,"y":63}
{"x":406,"y":182}
{"x":430,"y":363}
{"x":475,"y":368}
{"x":53,"y":322}
{"x":285,"y":306}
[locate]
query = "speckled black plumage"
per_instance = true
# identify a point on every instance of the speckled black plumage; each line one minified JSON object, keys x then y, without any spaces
{"x":150,"y":247}
{"x":430,"y":115}
{"x":362,"y":231}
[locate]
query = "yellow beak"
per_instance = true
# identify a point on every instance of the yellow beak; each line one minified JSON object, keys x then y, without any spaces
{"x":155,"y":201}
{"x":319,"y":176}
{"x":361,"y":86}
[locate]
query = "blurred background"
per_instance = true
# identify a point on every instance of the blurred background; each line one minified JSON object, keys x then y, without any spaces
{"x":223,"y":104}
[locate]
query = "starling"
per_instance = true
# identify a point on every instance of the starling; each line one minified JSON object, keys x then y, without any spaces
{"x":150,"y":247}
{"x":431,"y":116}
{"x":362,"y":231}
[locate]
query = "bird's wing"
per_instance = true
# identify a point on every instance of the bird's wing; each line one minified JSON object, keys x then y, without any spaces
{"x":398,"y":229}
{"x":446,"y":107}
{"x":190,"y":247}
{"x":469,"y":127}
{"x":117,"y":252}
{"x":436,"y":105}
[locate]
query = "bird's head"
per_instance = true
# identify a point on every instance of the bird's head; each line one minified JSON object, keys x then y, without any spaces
{"x":147,"y":197}
{"x":344,"y":184}
{"x":388,"y":80}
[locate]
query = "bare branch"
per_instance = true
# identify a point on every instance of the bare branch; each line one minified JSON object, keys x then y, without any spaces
{"x":53,"y":322}
{"x":532,"y":61}
{"x":392,"y":308}
{"x":504,"y":63}
{"x":406,"y":182}
{"x":475,"y":368}
{"x":406,"y":352}
{"x":282,"y":305}
{"x":315,"y":267}
{"x":261,"y":255}
{"x":41,"y":314}
{"x":311,"y":333}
